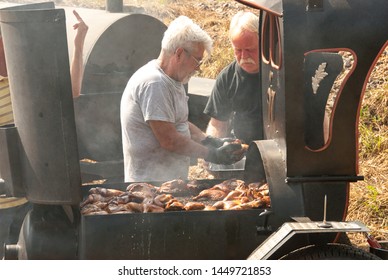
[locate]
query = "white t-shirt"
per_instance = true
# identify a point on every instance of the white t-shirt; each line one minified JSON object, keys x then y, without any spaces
{"x":152,"y":95}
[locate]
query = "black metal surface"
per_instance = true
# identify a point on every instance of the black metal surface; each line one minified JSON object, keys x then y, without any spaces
{"x":222,"y":234}
{"x":335,"y":27}
{"x":10,"y":165}
{"x":171,"y":235}
{"x":42,"y":103}
{"x":47,"y":234}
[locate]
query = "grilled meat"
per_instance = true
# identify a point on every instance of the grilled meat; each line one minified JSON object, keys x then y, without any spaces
{"x":105,"y":192}
{"x":175,"y":187}
{"x":194,"y":206}
{"x":230,"y":194}
{"x":152,"y":208}
{"x":195,"y":186}
{"x":142,"y":189}
{"x":174,"y":205}
{"x":210,"y":194}
{"x":162,"y":199}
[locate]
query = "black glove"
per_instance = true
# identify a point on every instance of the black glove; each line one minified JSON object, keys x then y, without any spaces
{"x":215,"y":142}
{"x":224,"y":155}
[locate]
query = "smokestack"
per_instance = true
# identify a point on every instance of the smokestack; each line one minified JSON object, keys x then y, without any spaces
{"x":114,"y":6}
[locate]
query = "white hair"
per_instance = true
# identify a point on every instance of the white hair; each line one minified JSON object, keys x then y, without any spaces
{"x":244,"y":21}
{"x":183,"y":32}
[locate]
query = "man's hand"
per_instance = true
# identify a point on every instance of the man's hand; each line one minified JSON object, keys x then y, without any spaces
{"x":226,"y":154}
{"x":81,"y":28}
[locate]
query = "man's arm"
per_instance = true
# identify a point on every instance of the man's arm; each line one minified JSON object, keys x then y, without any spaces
{"x":173,"y":141}
{"x":196,"y":133}
{"x":76,"y":67}
{"x":217,"y":128}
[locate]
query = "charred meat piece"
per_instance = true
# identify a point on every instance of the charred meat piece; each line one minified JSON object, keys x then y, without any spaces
{"x":115,"y":208}
{"x":189,"y":206}
{"x":90,"y":208}
{"x":128,"y":197}
{"x":105,"y":192}
{"x":196,"y":186}
{"x":175,"y":187}
{"x":92,"y":198}
{"x":142,"y":189}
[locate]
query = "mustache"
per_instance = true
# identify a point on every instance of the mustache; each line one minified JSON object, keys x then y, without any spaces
{"x":247,"y":61}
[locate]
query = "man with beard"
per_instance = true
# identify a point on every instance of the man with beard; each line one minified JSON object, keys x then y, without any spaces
{"x":158,"y":140}
{"x":235,"y":104}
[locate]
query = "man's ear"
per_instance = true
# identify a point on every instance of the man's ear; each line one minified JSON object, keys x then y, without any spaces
{"x":179,"y":52}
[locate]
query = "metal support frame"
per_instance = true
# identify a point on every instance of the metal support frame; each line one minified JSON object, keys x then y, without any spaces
{"x":288,"y":230}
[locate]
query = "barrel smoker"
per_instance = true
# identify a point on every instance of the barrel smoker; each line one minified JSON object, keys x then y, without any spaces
{"x":308,"y":168}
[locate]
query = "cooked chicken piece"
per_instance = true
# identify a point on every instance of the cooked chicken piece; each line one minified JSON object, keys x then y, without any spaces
{"x":176,"y":186}
{"x":256,"y":185}
{"x":221,"y":187}
{"x":194,"y":206}
{"x":252,"y":194}
{"x":98,"y":213}
{"x":267,"y":201}
{"x":162,"y":199}
{"x":234,"y":184}
{"x":264,"y":192}
{"x":152,"y":208}
{"x":210,"y":194}
{"x":209,"y":208}
{"x":101,"y":204}
{"x":226,"y":205}
{"x":134,"y":207}
{"x":236,"y":207}
{"x":114,"y":208}
{"x":142,"y":189}
{"x":90,"y":208}
{"x":128,"y":197}
{"x":94,"y":198}
{"x":174,"y":205}
{"x":105,"y":192}
{"x":258,"y":203}
{"x":264,"y":187}
{"x":195,"y":186}
{"x":219,"y":205}
{"x":234,"y":195}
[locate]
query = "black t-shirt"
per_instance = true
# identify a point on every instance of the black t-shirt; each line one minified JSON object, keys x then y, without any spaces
{"x":236,"y":96}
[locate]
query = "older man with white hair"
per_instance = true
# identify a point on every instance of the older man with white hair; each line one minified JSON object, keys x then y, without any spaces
{"x":158,"y":140}
{"x":235,"y":104}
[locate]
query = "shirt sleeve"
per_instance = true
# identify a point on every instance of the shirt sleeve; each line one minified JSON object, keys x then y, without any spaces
{"x":156,"y":103}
